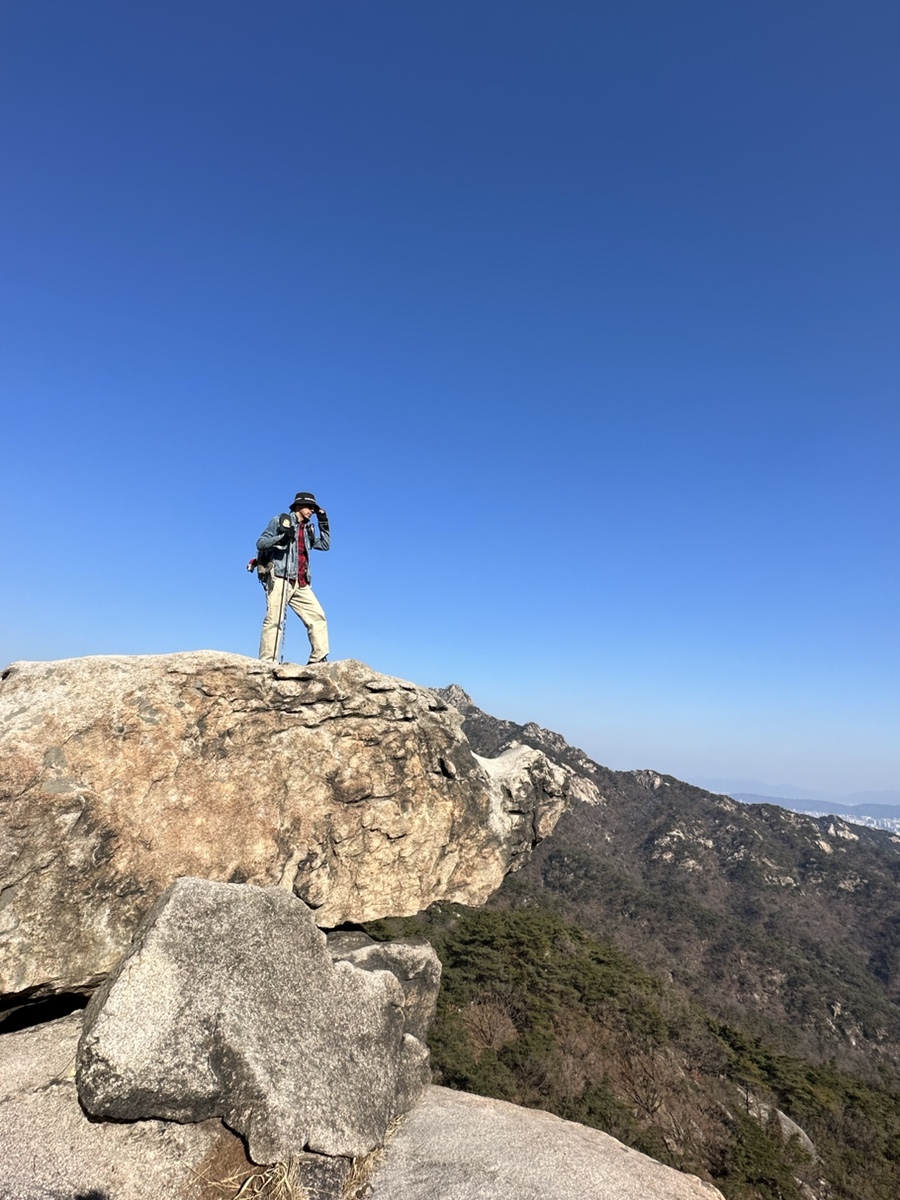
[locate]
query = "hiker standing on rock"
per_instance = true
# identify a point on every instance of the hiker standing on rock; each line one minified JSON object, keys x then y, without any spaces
{"x":283,"y":568}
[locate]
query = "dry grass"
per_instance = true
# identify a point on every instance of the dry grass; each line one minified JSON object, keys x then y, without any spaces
{"x":281,"y":1181}
{"x":231,"y":1176}
{"x":360,"y":1174}
{"x":364,"y":1168}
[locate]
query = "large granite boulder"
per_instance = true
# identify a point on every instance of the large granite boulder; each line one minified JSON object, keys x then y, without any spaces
{"x":357,"y":791}
{"x":230,"y":1005}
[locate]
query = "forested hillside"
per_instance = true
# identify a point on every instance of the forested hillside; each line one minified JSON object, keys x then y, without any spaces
{"x":693,"y":976}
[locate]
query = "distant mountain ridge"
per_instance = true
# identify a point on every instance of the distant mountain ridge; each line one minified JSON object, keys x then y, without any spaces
{"x":763,"y":913}
{"x":778,"y":792}
{"x":887,"y":816}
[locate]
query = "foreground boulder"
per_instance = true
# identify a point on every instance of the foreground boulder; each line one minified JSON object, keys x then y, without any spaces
{"x":49,"y":1150}
{"x":230,"y":1005}
{"x":456,"y":1146}
{"x":357,"y":791}
{"x":452,"y":1146}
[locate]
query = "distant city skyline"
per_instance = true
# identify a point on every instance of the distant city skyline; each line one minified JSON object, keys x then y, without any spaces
{"x":581,"y":321}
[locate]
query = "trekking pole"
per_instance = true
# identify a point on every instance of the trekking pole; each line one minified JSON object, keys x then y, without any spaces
{"x":283,"y":620}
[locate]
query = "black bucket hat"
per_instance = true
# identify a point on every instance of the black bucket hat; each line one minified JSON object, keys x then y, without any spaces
{"x":304,"y":500}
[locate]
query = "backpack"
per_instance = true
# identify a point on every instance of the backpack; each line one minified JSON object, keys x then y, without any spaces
{"x":262,"y":564}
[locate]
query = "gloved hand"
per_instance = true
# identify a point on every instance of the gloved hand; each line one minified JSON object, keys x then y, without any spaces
{"x":285,"y":528}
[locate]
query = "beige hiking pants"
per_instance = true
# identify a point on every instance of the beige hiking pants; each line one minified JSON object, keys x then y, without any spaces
{"x":281,"y":594}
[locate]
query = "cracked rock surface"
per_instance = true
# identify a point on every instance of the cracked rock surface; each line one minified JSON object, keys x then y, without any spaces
{"x":356,"y":790}
{"x":229,"y":1004}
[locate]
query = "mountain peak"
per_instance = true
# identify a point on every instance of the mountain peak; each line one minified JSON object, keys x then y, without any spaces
{"x":456,"y":697}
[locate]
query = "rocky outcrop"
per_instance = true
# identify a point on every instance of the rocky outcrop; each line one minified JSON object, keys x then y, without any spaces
{"x":411,"y":961}
{"x":461,"y":1147}
{"x":496,"y":737}
{"x":229,"y":1005}
{"x":764,"y":1113}
{"x":356,"y":790}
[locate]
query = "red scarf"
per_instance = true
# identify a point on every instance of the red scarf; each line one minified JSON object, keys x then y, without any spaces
{"x":302,"y":556}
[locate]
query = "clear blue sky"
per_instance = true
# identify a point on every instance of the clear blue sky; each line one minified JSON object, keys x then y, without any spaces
{"x":580,"y":318}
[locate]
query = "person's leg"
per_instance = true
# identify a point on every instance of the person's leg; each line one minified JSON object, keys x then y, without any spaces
{"x":270,"y":638}
{"x":311,"y":613}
